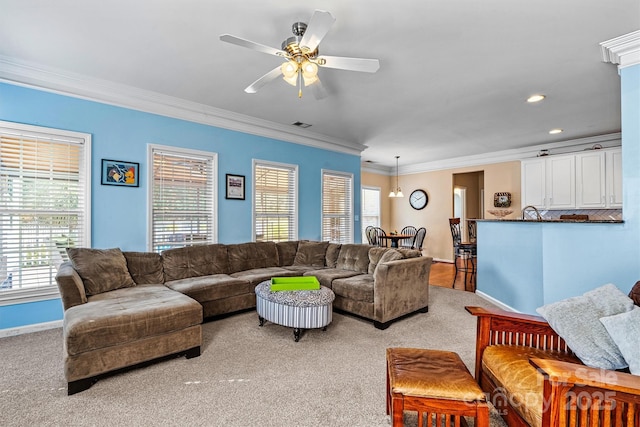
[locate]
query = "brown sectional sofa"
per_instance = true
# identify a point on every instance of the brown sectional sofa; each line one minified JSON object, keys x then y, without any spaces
{"x":124,"y":308}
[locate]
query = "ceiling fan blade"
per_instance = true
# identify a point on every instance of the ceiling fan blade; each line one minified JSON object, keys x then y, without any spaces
{"x":318,"y":27}
{"x":253,"y":45}
{"x":318,"y":90}
{"x":271,"y":75}
{"x":351,"y":64}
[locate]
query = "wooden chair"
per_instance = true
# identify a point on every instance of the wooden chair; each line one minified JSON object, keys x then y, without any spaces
{"x":370,"y":233}
{"x":606,"y":398}
{"x":409,"y":230}
{"x":419,"y":238}
{"x":380,"y":234}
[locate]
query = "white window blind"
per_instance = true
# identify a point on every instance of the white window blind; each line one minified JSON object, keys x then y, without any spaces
{"x":337,"y":207}
{"x":44,"y":196}
{"x":275,"y":202}
{"x":182,"y":198}
{"x":370,"y":202}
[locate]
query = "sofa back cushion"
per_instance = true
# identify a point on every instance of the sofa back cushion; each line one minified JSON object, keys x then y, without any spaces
{"x":145,"y":267}
{"x":311,"y":254}
{"x":387,"y":255}
{"x":247,"y":256}
{"x":101,"y":270}
{"x":286,"y":252}
{"x":194,"y":261}
{"x":331,"y":257}
{"x":354,"y":257}
{"x":409,"y":253}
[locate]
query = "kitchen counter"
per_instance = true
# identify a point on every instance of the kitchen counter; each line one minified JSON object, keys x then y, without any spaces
{"x":556,"y":220}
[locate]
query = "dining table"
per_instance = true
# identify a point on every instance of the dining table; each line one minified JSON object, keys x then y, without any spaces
{"x":395,"y":238}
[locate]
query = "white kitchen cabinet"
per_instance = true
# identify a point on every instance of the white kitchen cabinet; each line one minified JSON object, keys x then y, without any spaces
{"x":586,"y":180}
{"x":549,"y":182}
{"x":590,"y":180}
{"x":613,"y":162}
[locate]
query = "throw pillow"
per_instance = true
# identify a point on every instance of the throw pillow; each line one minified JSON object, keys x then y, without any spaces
{"x":101,"y":270}
{"x":577,"y":321}
{"x":333,"y":250}
{"x":390,"y":255}
{"x":635,"y":293}
{"x":624,"y":329}
{"x":374,"y":258}
{"x":311,"y":254}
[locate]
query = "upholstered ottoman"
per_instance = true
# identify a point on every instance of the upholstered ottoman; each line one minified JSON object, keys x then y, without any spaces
{"x":433,"y":382}
{"x":299,"y":310}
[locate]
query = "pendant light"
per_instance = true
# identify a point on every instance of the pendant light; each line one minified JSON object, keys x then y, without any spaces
{"x":398,"y":191}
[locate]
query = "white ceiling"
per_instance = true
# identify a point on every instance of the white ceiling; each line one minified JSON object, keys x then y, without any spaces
{"x":453,"y":78}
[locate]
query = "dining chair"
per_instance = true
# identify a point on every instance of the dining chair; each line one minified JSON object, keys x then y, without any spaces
{"x":472,"y":229}
{"x":369,"y":233}
{"x":409,"y":230}
{"x":419,"y":238}
{"x":462,"y":252}
{"x":380,"y":237}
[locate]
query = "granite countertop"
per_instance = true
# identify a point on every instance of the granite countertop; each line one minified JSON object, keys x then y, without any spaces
{"x":533,"y":221}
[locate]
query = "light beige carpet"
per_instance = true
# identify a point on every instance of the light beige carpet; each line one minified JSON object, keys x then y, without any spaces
{"x":246,"y":376}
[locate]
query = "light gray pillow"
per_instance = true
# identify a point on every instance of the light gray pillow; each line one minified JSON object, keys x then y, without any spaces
{"x":624,"y":329}
{"x":577,"y":321}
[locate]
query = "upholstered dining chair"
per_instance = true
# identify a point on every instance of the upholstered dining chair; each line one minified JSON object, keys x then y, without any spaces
{"x":409,"y":230}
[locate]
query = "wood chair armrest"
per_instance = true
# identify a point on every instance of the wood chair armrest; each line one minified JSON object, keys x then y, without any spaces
{"x":595,"y":397}
{"x":504,"y":314}
{"x":572,"y":373}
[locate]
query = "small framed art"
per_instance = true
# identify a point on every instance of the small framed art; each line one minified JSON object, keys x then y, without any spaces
{"x":502,"y":200}
{"x":235,"y":187}
{"x":121,"y":173}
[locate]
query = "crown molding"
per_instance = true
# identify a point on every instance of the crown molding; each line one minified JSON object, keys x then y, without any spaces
{"x":61,"y":82}
{"x":516,"y":154}
{"x":623,"y":50}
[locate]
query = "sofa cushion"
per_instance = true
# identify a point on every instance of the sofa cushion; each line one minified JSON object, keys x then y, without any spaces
{"x":358,"y":288}
{"x":127,"y":315}
{"x":212,"y":287}
{"x":247,"y":256}
{"x":635,"y":293}
{"x":101,"y":270}
{"x":389,"y":255}
{"x":577,"y":320}
{"x":354,"y":257}
{"x":509,"y":368}
{"x":331,"y":258}
{"x":624,"y":329}
{"x":311,"y":253}
{"x":145,"y":267}
{"x":327,"y":275}
{"x":194,"y":261}
{"x":374,"y":257}
{"x":286,"y":252}
{"x":409,"y":253}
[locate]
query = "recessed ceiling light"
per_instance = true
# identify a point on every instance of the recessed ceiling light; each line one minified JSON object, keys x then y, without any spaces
{"x":535,"y":98}
{"x":555,"y":131}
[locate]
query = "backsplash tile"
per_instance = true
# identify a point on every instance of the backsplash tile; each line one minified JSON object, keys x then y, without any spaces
{"x":594,"y":214}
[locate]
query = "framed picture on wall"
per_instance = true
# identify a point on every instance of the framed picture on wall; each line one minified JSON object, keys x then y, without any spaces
{"x":235,"y":187}
{"x":121,"y":173}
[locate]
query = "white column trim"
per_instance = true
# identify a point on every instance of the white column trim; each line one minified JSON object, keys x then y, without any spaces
{"x":623,"y":50}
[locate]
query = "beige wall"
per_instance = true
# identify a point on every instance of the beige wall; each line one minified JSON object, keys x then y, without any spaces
{"x":396,"y":213}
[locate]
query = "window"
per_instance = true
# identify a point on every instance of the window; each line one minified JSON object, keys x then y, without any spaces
{"x":370,"y":209}
{"x":275,"y":202}
{"x":44,"y":207}
{"x":182,"y":198}
{"x":337,"y":207}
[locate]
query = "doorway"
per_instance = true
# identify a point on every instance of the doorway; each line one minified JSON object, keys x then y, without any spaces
{"x":468,"y":195}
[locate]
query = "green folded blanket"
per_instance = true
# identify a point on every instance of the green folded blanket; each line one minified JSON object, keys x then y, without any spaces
{"x":297,"y":283}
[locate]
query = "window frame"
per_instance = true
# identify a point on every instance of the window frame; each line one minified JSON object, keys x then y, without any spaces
{"x":294,"y":169}
{"x":51,"y":291}
{"x":362,"y":206}
{"x":186,"y":152}
{"x":350,"y":215}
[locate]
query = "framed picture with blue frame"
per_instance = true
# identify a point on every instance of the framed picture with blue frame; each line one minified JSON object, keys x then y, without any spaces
{"x":120,"y":173}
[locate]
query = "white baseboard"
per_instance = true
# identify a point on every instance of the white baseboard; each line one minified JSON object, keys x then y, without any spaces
{"x":496,"y":302}
{"x":10,"y":332}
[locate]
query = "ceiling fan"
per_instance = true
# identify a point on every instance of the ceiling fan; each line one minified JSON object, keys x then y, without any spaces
{"x":302,"y":57}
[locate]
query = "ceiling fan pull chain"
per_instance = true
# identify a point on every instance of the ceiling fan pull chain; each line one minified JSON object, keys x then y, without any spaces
{"x":300,"y":83}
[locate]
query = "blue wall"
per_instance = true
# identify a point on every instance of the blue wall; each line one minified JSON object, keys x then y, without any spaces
{"x":119,"y":215}
{"x":526,"y":265}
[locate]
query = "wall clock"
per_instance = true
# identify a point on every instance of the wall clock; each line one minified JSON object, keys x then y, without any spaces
{"x":418,"y":199}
